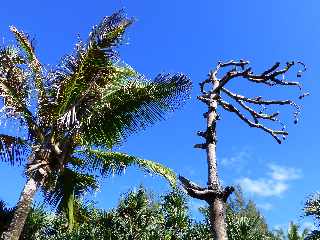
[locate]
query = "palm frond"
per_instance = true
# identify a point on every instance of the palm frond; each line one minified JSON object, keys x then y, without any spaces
{"x":92,"y":66}
{"x":36,"y":69}
{"x":14,"y":89}
{"x":109,"y":32}
{"x":26,"y":45}
{"x":131,"y":106}
{"x":13,"y":149}
{"x":32,"y":60}
{"x":115,"y":163}
{"x":13,"y":80}
{"x":67,"y":187}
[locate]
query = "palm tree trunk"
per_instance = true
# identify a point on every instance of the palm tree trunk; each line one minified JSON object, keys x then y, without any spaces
{"x":21,"y":212}
{"x":217,"y":204}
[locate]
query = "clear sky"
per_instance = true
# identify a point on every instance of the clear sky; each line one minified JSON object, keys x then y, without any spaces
{"x":190,"y":37}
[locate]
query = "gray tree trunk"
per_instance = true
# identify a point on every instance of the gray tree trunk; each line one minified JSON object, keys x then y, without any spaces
{"x":217,"y":206}
{"x":21,"y":212}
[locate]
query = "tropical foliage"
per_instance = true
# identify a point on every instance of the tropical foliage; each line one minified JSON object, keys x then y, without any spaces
{"x":137,"y":216}
{"x":74,"y":114}
{"x":140,"y":215}
{"x":244,"y":220}
{"x":294,"y":232}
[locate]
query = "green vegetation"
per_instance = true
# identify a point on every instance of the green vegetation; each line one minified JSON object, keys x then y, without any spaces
{"x":141,"y":216}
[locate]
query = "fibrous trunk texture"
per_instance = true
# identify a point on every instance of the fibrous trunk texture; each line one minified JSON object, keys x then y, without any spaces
{"x":21,"y":212}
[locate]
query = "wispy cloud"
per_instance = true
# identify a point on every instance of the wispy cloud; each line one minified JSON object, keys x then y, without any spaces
{"x":263,"y":187}
{"x":274,"y":186}
{"x":237,"y":159}
{"x":281,"y":173}
{"x":265,"y":206}
{"x":307,"y":225}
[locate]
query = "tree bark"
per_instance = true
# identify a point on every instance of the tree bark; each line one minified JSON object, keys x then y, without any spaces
{"x":213,"y":194}
{"x":217,"y":218}
{"x":21,"y":212}
{"x":217,"y":204}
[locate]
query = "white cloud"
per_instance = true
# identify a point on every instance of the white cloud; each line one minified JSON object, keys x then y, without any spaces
{"x":274,"y":186}
{"x":265,"y":206}
{"x":236,"y":160}
{"x":281,"y":173}
{"x":307,"y":225}
{"x":263,"y":187}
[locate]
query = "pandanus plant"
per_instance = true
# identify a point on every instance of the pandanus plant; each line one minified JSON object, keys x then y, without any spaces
{"x":73,"y":115}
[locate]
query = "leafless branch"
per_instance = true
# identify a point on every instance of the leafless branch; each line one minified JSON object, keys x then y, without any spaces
{"x":187,"y":183}
{"x":202,"y":193}
{"x":274,"y":133}
{"x":256,"y":115}
{"x":200,"y":145}
{"x":256,"y":100}
{"x":273,"y":76}
{"x":269,"y":77}
{"x":213,"y":74}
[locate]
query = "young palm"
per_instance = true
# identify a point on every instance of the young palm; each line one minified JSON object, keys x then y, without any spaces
{"x":294,"y":232}
{"x":76,"y":113}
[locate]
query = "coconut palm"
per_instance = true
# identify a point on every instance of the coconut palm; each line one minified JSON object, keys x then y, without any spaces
{"x":73,"y":115}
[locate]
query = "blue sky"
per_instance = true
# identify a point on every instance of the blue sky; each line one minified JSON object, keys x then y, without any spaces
{"x":190,"y":37}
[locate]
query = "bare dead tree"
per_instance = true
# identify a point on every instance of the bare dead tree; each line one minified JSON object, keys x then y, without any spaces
{"x":245,"y":108}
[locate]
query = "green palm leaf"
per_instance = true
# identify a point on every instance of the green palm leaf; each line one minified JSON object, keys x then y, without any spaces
{"x":115,"y":163}
{"x":15,"y":89}
{"x":68,"y":186}
{"x":131,"y":106}
{"x":92,"y":66}
{"x":12,"y":149}
{"x":34,"y":64}
{"x":13,"y":86}
{"x":93,"y":85}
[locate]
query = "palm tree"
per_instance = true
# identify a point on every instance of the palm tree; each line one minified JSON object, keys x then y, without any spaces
{"x":294,"y":233}
{"x":73,"y":115}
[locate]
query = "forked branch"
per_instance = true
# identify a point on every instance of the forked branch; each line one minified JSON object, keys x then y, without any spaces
{"x":207,"y":194}
{"x":273,"y":76}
